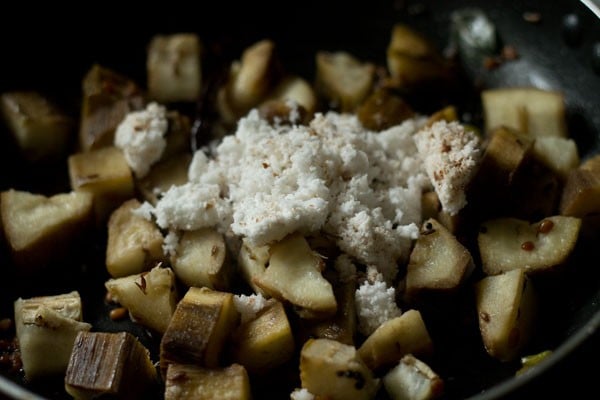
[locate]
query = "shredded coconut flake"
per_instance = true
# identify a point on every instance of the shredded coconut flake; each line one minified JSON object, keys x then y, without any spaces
{"x":301,"y":394}
{"x":141,"y":137}
{"x":249,"y":306}
{"x":451,"y":155}
{"x":375,"y":304}
{"x":345,"y":268}
{"x":170,"y":243}
{"x":265,"y":182}
{"x":144,"y":210}
{"x":190,"y":206}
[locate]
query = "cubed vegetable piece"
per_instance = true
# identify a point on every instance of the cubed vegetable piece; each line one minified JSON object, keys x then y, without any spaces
{"x":41,"y":130}
{"x":438,"y":261}
{"x":39,"y":229}
{"x":150,"y":297}
{"x":529,"y":110}
{"x":163,"y":175}
{"x":174,"y":68}
{"x":412,"y":60}
{"x":296,"y":89}
{"x":201,"y":260}
{"x":46,"y":329}
{"x":332,"y":370}
{"x":394,"y":339}
{"x":508,"y":243}
{"x":178,"y":135}
{"x":252,"y":263}
{"x":265,"y":342}
{"x":581,"y":194}
{"x":431,"y":207}
{"x":107,"y":98}
{"x":343,"y":80}
{"x":114,"y":365}
{"x":134,"y":243}
{"x":342,"y":325}
{"x":252,"y":77}
{"x":447,"y":114}
{"x":191,"y":382}
{"x":557,"y":153}
{"x":506,"y":306}
{"x":294,"y":275}
{"x":382,"y":109}
{"x":203,"y":321}
{"x":412,"y":379}
{"x":106,"y":175}
{"x":505,"y":154}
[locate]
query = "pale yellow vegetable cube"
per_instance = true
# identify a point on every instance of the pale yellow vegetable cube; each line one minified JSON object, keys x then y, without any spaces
{"x":174,"y":68}
{"x":41,"y":229}
{"x":106,"y":175}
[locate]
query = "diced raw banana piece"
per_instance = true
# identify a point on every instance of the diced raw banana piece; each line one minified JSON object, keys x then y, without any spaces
{"x":382,"y":109}
{"x":201,"y":260}
{"x":41,"y":229}
{"x":294,"y":275}
{"x":266,"y":341}
{"x":203,"y":321}
{"x":191,"y":382}
{"x":341,"y":326}
{"x":448,"y":114}
{"x":46,"y":328}
{"x":174,"y":67}
{"x":298,"y":90}
{"x":509,"y":243}
{"x":332,"y":370}
{"x":114,"y":365}
{"x":529,"y":110}
{"x":150,"y":297}
{"x":412,"y":379}
{"x":107,"y":98}
{"x":134,"y":243}
{"x":431,"y":207}
{"x":280,"y":112}
{"x":557,"y":153}
{"x":506,"y":153}
{"x":106,"y":175}
{"x":163,"y":175}
{"x":412,"y":59}
{"x":252,"y":77}
{"x":534,"y":193}
{"x":506,"y":305}
{"x":394,"y":339}
{"x":406,"y":40}
{"x":438,"y":261}
{"x":178,"y":135}
{"x":252,"y":262}
{"x":40,"y":129}
{"x":581,"y":194}
{"x":343,"y":80}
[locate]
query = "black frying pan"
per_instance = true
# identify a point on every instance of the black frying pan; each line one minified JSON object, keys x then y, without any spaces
{"x":48,"y":50}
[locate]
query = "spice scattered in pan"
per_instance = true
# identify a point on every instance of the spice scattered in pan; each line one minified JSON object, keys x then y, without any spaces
{"x":545,"y":226}
{"x":118,"y":313}
{"x":5,"y":324}
{"x":509,"y":53}
{"x":533,"y":17}
{"x":527,"y":246}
